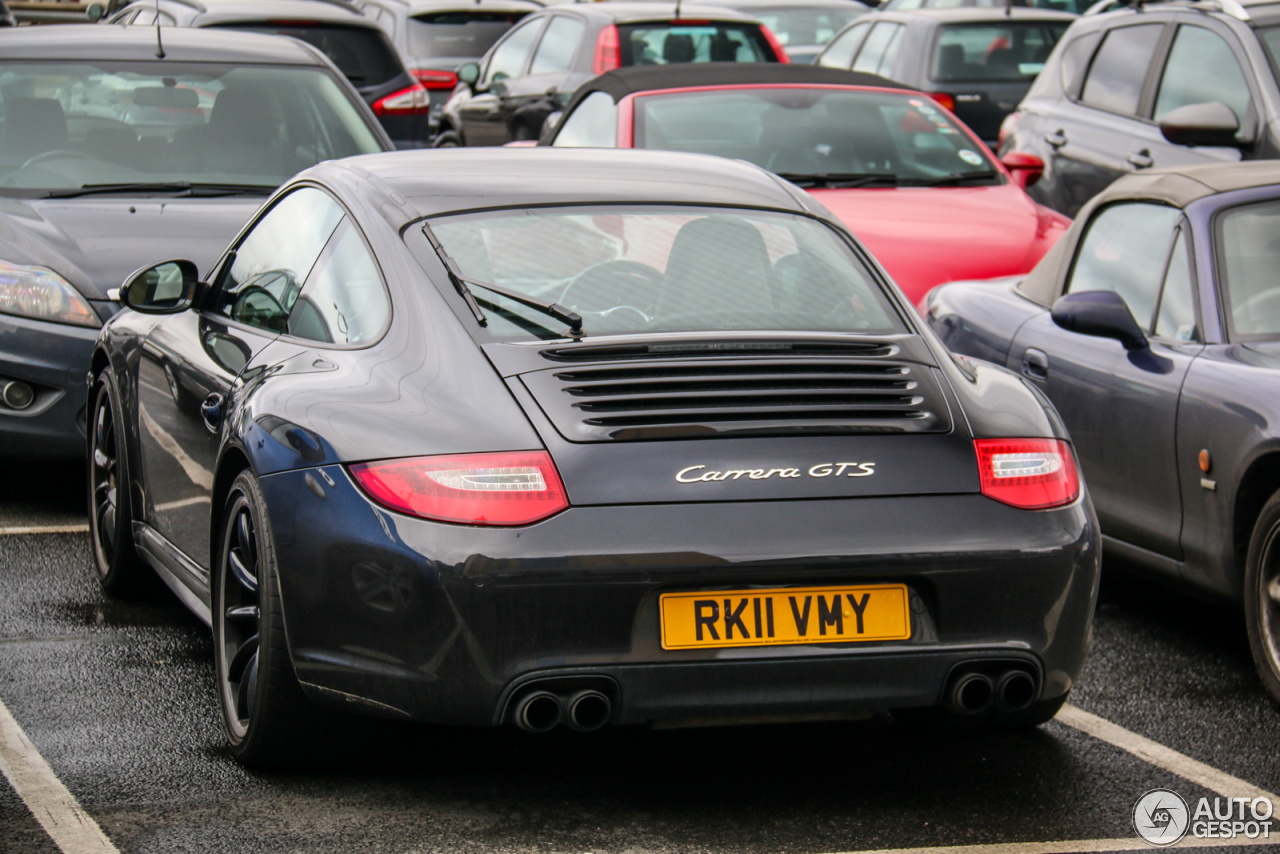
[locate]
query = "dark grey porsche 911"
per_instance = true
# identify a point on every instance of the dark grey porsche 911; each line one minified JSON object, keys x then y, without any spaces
{"x":549,"y":437}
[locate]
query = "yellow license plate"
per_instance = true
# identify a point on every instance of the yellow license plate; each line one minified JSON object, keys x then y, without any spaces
{"x":725,"y":618}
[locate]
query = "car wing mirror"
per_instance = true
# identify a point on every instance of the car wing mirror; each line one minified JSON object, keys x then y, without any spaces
{"x":165,"y":288}
{"x":1101,"y":313}
{"x":468,"y":74}
{"x":1024,"y":168}
{"x":1213,"y":123}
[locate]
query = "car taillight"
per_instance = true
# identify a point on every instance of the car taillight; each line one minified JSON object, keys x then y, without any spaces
{"x":433,"y":78}
{"x":607,"y":56}
{"x":1033,"y":474}
{"x":408,"y":101}
{"x":513,"y":488}
{"x":1006,"y":128}
{"x":944,"y":99}
{"x":778,"y":49}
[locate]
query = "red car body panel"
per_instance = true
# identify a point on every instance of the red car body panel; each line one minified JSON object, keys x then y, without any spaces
{"x":924,"y":236}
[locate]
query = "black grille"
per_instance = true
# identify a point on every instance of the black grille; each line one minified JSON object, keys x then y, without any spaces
{"x":662,"y":400}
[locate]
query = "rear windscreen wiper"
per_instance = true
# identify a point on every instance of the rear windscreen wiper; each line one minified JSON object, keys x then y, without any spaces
{"x":956,"y":179}
{"x":560,"y":313}
{"x":185,"y":188}
{"x":841,"y":180}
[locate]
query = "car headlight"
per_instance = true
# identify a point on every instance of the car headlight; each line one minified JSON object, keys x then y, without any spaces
{"x":40,"y":293}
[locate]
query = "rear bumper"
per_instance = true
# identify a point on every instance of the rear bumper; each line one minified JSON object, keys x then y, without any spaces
{"x":54,"y":359}
{"x":446,"y":623}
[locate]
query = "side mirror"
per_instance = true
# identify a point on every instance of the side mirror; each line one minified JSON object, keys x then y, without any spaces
{"x":1025,"y":168}
{"x":1213,"y":123}
{"x":469,"y":73}
{"x":165,"y":288}
{"x":94,"y":12}
{"x":1100,"y":313}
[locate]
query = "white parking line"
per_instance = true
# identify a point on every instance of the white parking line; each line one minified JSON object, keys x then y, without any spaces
{"x":44,"y":529}
{"x":70,"y":827}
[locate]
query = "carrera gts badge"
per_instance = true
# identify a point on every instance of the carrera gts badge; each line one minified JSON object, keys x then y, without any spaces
{"x":700,"y":474}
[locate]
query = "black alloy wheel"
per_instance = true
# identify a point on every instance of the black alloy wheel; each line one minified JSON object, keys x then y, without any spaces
{"x":266,"y":716}
{"x":447,"y":139}
{"x":1262,"y":596}
{"x":120,"y":571}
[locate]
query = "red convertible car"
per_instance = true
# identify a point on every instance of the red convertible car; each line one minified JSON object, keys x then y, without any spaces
{"x":909,"y":179}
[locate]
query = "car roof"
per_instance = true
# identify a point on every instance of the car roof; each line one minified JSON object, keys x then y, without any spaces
{"x":1177,"y":187}
{"x":210,"y":11}
{"x":417,"y":7}
{"x":787,"y":5}
{"x":975,"y":14}
{"x":647,"y":78}
{"x":107,"y":42}
{"x":623,"y":11}
{"x":450,"y":180}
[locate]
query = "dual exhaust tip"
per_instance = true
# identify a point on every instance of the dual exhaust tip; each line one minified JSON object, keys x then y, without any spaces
{"x":542,"y":711}
{"x":972,"y":693}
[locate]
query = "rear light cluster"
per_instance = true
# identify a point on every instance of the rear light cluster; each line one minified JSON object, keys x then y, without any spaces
{"x":607,"y":55}
{"x":944,"y":99}
{"x":1033,"y":474}
{"x":409,"y":101}
{"x":515,"y":488}
{"x":434,"y":78}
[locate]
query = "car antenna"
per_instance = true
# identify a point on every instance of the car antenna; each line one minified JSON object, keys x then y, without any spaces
{"x":677,"y":15}
{"x":1008,"y":8}
{"x":159,"y":43}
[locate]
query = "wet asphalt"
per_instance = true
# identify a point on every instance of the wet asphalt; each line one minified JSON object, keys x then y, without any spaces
{"x":118,"y":698}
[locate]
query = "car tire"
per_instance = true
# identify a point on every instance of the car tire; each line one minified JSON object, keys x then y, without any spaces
{"x":447,"y":139}
{"x":1262,"y":596}
{"x":266,"y":716}
{"x":120,"y":570}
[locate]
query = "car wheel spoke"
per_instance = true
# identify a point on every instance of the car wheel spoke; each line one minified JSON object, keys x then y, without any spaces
{"x":240,"y":661}
{"x":243,"y":612}
{"x":247,"y":690}
{"x":1273,"y":590}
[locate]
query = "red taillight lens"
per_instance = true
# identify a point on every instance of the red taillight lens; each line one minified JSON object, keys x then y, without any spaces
{"x":432,"y":78}
{"x":944,"y":99}
{"x":515,"y":488}
{"x":778,"y":50}
{"x":607,"y":56}
{"x":406,"y":102}
{"x":1033,"y":474}
{"x":1006,"y":128}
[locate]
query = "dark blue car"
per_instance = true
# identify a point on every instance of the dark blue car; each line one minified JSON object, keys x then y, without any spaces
{"x":1154,"y":327}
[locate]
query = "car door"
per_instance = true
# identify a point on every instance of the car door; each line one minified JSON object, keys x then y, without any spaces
{"x":1121,"y":406}
{"x":484,"y":115}
{"x":192,"y":362}
{"x":549,"y":83}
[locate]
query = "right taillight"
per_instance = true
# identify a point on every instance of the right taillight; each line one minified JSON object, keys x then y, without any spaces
{"x":1033,"y":474}
{"x":607,"y":56}
{"x":432,"y":78}
{"x":944,"y":99}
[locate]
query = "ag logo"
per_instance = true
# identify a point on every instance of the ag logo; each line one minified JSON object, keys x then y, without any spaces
{"x":1161,"y":817}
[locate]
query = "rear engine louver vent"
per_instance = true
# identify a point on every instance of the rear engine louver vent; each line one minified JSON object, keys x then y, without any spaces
{"x":663,"y":400}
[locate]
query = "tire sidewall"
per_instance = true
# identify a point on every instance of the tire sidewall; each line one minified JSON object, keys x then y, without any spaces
{"x":118,"y":573}
{"x":1264,"y":548}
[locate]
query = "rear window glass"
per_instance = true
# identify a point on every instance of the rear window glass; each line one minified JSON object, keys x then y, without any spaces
{"x":1013,"y":51}
{"x":664,"y":269}
{"x":458,"y":34}
{"x":363,"y":54}
{"x":663,"y":43}
{"x":796,"y":25}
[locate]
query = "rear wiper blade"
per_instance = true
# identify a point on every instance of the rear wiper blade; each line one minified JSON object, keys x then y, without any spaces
{"x":185,"y":188}
{"x":955,"y":180}
{"x":460,"y":282}
{"x":841,"y":180}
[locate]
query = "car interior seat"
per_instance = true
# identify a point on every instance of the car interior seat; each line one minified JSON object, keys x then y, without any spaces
{"x":951,"y":63}
{"x":717,"y":264}
{"x":32,"y":126}
{"x":723,"y":48}
{"x":678,"y":48}
{"x":1001,"y":63}
{"x":243,"y":135}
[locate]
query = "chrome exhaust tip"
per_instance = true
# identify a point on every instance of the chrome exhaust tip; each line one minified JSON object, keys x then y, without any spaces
{"x":588,"y":710}
{"x":538,"y":711}
{"x":971,"y":693}
{"x":1015,"y":690}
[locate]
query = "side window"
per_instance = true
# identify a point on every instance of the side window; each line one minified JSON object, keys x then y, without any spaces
{"x":1125,"y":250}
{"x":1177,"y":316}
{"x":262,"y":282}
{"x":1075,"y":59}
{"x":839,"y":54}
{"x":594,"y":124}
{"x":555,"y":51}
{"x":1202,"y":68}
{"x":343,"y":301}
{"x":509,"y":57}
{"x":879,"y":49}
{"x":1115,"y":78}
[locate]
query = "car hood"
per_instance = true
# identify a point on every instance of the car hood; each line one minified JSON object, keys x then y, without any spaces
{"x":96,"y":243}
{"x":925,"y":236}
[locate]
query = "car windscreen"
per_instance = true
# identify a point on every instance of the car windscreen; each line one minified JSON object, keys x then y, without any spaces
{"x":458,"y":34}
{"x":801,"y":25}
{"x":363,"y":54}
{"x":638,"y":269}
{"x":830,"y":135}
{"x":665,"y":42}
{"x":1248,"y":248}
{"x":71,"y":125}
{"x":1006,"y":51}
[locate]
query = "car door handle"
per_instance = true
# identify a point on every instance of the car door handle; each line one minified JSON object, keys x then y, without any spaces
{"x":1141,"y":159}
{"x":1035,"y":364}
{"x":1056,"y":140}
{"x":211,"y":412}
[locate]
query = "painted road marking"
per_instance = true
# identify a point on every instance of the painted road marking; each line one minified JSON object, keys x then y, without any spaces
{"x":70,"y":827}
{"x":44,"y":529}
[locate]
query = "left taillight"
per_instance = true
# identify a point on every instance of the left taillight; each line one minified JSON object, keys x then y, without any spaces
{"x":408,"y":101}
{"x":433,"y":78}
{"x":512,"y":488}
{"x":1032,"y":474}
{"x":778,"y":50}
{"x":607,"y":55}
